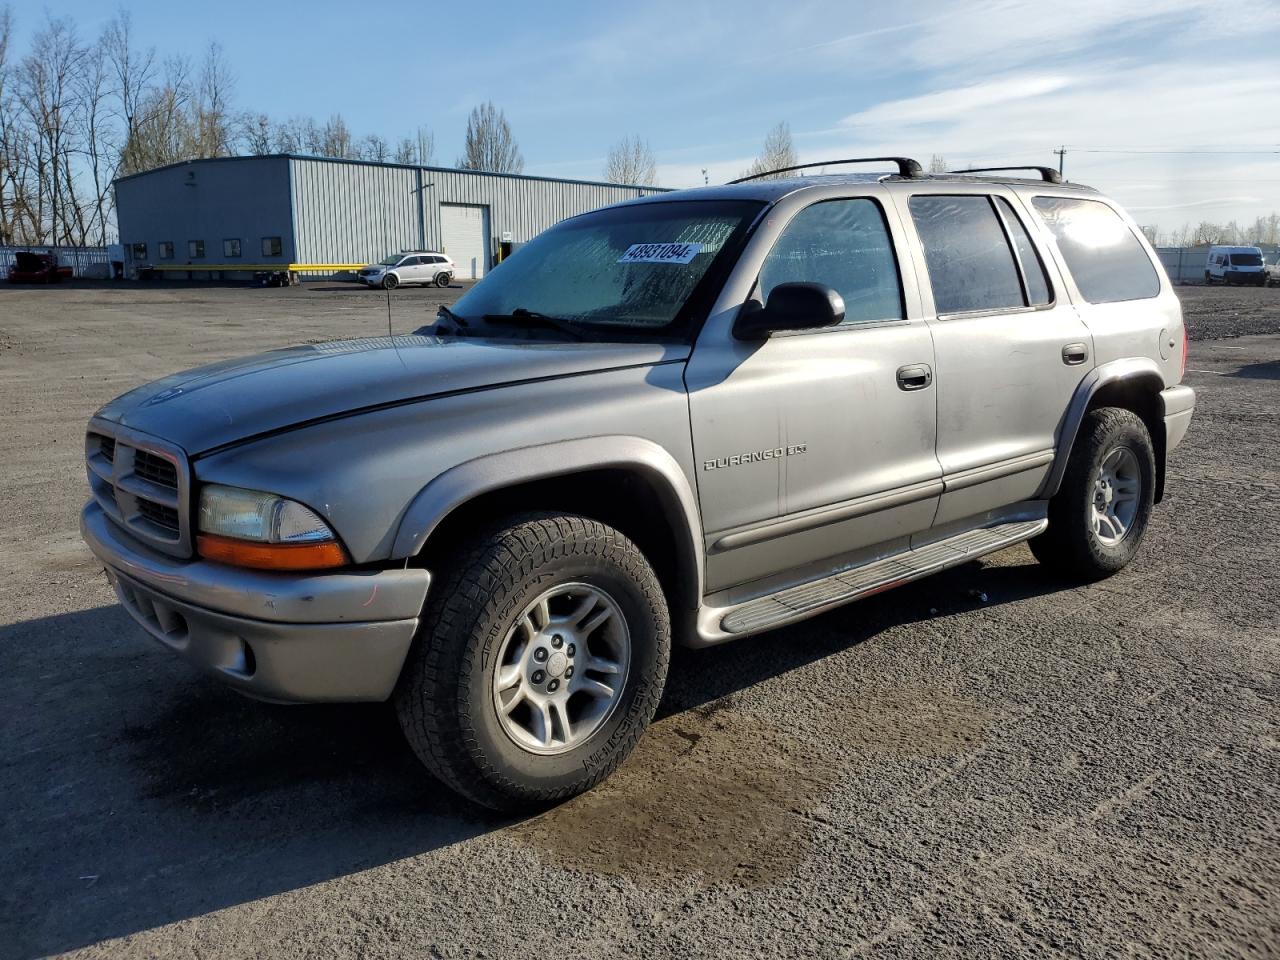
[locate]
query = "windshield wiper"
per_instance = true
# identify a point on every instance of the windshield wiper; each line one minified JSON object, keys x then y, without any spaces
{"x":443,"y":311}
{"x":520,"y":315}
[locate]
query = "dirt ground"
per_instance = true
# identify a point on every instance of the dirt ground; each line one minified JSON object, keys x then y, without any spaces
{"x":988,"y":762}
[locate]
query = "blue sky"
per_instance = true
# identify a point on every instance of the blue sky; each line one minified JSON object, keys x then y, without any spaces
{"x":986,"y":81}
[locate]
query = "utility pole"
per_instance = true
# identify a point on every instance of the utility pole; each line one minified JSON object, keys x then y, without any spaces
{"x":1062,"y":153}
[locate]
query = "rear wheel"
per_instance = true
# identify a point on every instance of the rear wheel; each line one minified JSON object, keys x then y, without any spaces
{"x":1100,"y":513}
{"x":443,"y":279}
{"x":540,"y":662}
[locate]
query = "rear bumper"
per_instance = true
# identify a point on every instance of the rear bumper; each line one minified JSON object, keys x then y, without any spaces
{"x":286,"y":637}
{"x":1179,"y":403}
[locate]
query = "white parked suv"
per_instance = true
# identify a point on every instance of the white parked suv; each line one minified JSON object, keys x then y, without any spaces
{"x":409,"y":266}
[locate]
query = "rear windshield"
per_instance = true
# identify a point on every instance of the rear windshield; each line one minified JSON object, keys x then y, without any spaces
{"x":1246,"y":259}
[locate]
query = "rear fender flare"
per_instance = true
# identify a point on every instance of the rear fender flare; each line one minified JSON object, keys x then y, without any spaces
{"x":457,"y":485}
{"x":1131,"y":369}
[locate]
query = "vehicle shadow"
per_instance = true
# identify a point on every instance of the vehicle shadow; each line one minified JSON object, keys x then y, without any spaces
{"x":138,"y":793}
{"x":1267,"y":370}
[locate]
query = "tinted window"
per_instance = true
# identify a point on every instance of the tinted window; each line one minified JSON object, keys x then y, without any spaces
{"x":1104,"y":256}
{"x":845,"y":245}
{"x":970,"y":264}
{"x":1028,"y":256}
{"x":1246,"y":259}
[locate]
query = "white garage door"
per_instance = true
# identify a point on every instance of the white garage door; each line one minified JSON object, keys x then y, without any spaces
{"x":466,"y":238}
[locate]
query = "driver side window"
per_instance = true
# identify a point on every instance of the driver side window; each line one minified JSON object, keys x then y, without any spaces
{"x":844,"y":244}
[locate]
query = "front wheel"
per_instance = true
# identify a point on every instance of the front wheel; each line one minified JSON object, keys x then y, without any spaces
{"x":1100,"y":513}
{"x":541,"y":660}
{"x":390,"y":282}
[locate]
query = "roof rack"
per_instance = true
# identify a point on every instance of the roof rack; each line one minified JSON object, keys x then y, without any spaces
{"x":1048,"y":174}
{"x":906,"y":167}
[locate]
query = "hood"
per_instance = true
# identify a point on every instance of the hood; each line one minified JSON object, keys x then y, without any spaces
{"x":230,"y":401}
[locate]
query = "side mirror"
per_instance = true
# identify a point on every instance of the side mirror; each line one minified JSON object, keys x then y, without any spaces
{"x":791,"y":306}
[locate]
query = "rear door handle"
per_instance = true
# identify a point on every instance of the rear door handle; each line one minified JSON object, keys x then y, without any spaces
{"x":1074,"y":354}
{"x":914,"y":376}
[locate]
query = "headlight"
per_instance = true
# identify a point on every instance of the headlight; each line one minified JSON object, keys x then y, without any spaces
{"x":249,"y":528}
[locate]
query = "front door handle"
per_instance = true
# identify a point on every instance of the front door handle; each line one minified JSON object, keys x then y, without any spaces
{"x":1074,"y":354}
{"x":914,"y":376}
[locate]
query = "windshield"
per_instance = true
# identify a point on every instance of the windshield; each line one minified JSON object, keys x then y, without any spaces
{"x":628,"y":269}
{"x":391,"y":261}
{"x":1246,"y":259}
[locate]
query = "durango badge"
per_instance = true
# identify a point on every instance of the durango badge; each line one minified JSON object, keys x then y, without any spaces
{"x":755,"y":457}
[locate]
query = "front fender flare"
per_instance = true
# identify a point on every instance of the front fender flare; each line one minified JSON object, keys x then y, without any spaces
{"x":1114,"y":371}
{"x":459,"y":484}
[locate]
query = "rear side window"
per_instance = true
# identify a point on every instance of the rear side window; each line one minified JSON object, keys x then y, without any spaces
{"x":1103,"y":254}
{"x":845,"y":245}
{"x":971,"y":266}
{"x":1246,"y":259}
{"x":1028,"y":256}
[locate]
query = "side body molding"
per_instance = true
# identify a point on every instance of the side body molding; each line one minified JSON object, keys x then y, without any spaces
{"x":1114,"y":371}
{"x":509,"y":468}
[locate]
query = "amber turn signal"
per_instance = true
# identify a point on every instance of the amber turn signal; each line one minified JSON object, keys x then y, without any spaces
{"x":271,"y":556}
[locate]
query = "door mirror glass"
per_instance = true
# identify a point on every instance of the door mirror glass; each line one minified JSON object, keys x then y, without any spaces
{"x":791,"y":306}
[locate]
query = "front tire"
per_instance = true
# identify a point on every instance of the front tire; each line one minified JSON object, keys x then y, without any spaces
{"x":541,"y":659}
{"x":1100,"y":513}
{"x":390,"y":282}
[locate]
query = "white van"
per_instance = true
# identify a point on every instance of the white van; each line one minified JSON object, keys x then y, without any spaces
{"x":1235,"y":265}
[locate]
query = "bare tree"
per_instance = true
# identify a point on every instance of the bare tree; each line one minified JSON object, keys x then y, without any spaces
{"x":133,"y":72}
{"x":213,"y":122}
{"x":98,"y":146}
{"x":778,"y":152}
{"x":937,"y":163}
{"x":256,"y":134}
{"x":47,"y":89}
{"x":631,"y":161}
{"x":335,"y":139}
{"x":406,"y":151}
{"x":373,"y":147}
{"x":489,"y":144}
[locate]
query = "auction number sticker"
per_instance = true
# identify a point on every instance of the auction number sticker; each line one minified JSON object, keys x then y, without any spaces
{"x":660,"y":253}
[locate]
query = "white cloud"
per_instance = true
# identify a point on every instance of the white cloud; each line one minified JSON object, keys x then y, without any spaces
{"x":945,"y":105}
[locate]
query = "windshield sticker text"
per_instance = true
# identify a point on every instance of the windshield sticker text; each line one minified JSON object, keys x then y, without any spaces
{"x":660,"y":253}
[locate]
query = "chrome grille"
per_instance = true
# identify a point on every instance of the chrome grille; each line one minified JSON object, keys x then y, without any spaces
{"x":142,"y":484}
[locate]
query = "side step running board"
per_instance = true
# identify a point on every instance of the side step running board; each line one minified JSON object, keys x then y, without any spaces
{"x":809,"y":599}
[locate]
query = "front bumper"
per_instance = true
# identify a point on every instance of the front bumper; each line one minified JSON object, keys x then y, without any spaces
{"x":296,"y":638}
{"x":1179,"y":402}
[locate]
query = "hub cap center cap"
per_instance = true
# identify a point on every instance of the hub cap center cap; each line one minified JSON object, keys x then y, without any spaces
{"x":556,"y":663}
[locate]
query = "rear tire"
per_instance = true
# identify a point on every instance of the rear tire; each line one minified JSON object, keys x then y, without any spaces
{"x":443,"y":279}
{"x":525,"y":606}
{"x":1100,"y":513}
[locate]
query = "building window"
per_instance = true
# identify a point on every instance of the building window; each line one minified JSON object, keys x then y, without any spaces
{"x":195,"y":249}
{"x":231,"y":248}
{"x":166,"y":249}
{"x":272,"y":247}
{"x":138,"y":251}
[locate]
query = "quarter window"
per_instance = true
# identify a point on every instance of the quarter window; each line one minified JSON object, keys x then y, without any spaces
{"x":231,"y":248}
{"x":166,"y":249}
{"x":1104,"y":255}
{"x":971,"y":267}
{"x":845,"y":245}
{"x":271,"y":246}
{"x":195,"y":249}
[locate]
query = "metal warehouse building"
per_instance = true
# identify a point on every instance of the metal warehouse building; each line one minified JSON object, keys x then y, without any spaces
{"x":318,"y":215}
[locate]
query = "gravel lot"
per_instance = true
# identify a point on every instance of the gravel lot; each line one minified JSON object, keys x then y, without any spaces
{"x":1042,"y":770}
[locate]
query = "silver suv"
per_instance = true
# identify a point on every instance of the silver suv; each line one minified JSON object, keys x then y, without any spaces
{"x":687,"y":418}
{"x":410,"y":267}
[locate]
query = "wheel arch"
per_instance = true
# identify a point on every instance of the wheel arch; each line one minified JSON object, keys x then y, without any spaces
{"x":1132,"y":383}
{"x":629,"y":483}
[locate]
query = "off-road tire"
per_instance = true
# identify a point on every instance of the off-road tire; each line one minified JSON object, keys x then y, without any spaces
{"x":1070,"y":546}
{"x":444,"y":697}
{"x":390,"y":282}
